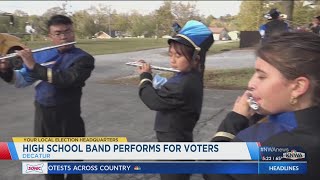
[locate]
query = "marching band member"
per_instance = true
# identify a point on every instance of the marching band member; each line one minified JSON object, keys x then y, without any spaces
{"x":286,"y":86}
{"x":61,"y":73}
{"x":274,"y":26}
{"x":179,"y":101}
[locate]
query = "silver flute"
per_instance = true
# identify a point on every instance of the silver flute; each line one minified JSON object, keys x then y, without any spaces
{"x":253,"y":104}
{"x":138,"y":64}
{"x":37,"y":50}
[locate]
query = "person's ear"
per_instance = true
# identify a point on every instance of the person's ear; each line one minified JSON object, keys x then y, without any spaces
{"x":198,"y":58}
{"x":300,"y":86}
{"x":49,"y":37}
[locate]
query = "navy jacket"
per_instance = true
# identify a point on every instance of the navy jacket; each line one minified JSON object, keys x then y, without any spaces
{"x":300,"y":128}
{"x":69,"y":73}
{"x":178,"y":103}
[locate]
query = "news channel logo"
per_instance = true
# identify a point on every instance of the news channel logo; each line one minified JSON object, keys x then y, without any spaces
{"x":34,"y":168}
{"x":294,"y":155}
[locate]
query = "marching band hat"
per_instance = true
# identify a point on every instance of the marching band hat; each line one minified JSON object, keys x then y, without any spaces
{"x":274,"y":13}
{"x":194,"y":34}
{"x":267,"y":16}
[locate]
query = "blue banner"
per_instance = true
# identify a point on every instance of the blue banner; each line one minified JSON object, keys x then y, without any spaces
{"x":190,"y":167}
{"x":282,"y":167}
{"x":153,"y":167}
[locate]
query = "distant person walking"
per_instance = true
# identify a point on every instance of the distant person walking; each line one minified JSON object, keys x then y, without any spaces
{"x":275,"y":26}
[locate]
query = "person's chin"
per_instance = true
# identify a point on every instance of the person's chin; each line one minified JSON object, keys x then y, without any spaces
{"x":65,"y":48}
{"x":265,"y":111}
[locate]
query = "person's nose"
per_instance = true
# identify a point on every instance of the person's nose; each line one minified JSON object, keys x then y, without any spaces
{"x":252,"y":84}
{"x":172,"y":59}
{"x":63,"y":36}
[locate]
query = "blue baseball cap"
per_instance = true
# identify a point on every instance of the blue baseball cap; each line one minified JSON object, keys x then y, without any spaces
{"x":194,"y":34}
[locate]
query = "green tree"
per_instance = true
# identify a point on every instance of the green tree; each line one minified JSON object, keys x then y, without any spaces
{"x":40,"y":22}
{"x":39,"y":26}
{"x":21,"y":18}
{"x":316,"y":11}
{"x":101,"y":17}
{"x":55,"y":10}
{"x":137,"y":24}
{"x":250,"y":15}
{"x":209,"y":19}
{"x":228,"y":22}
{"x":302,"y":15}
{"x":164,"y":19}
{"x":150,"y":25}
{"x":83,"y":24}
{"x":121,"y":22}
{"x":183,"y":12}
{"x":5,"y":20}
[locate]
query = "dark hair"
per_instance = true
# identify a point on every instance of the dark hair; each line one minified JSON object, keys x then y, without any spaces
{"x":186,"y":51}
{"x":295,"y":54}
{"x":274,"y":13}
{"x":317,"y":17}
{"x":59,"y":19}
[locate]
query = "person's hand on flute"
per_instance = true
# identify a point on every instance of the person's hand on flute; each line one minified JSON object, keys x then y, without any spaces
{"x":27,"y":58}
{"x":145,"y":67}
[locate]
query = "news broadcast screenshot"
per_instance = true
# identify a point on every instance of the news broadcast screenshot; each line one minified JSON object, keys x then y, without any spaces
{"x":159,"y":90}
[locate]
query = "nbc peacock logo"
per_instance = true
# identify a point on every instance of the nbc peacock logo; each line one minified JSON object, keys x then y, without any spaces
{"x":137,"y":168}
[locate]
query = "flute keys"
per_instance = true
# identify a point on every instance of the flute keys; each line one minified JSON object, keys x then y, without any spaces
{"x":253,"y":104}
{"x":153,"y":67}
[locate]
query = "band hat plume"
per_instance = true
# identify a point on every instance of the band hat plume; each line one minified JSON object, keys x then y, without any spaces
{"x":283,"y":16}
{"x":194,"y":34}
{"x":267,"y":16}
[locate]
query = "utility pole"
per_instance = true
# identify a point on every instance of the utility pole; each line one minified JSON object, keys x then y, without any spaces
{"x":289,"y":6}
{"x":109,"y":22}
{"x":157,"y":29}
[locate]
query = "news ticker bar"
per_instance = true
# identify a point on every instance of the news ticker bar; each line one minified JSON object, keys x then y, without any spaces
{"x":129,"y":151}
{"x":189,"y":167}
{"x":117,"y":148}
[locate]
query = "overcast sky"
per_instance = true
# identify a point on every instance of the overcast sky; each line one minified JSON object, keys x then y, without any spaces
{"x":215,"y":8}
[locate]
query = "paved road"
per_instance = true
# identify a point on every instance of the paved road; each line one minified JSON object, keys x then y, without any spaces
{"x":114,"y":65}
{"x":115,"y":110}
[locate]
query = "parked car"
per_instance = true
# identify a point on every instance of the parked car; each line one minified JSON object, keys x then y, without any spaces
{"x":9,"y":44}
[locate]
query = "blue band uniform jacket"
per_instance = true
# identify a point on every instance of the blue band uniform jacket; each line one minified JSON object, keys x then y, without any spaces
{"x":178,"y":103}
{"x":300,"y":128}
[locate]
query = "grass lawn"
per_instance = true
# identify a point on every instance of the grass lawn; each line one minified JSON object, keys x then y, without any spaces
{"x":228,"y":78}
{"x":218,"y":48}
{"x":109,"y":46}
{"x":213,"y":79}
{"x":218,"y":79}
{"x":112,"y":46}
